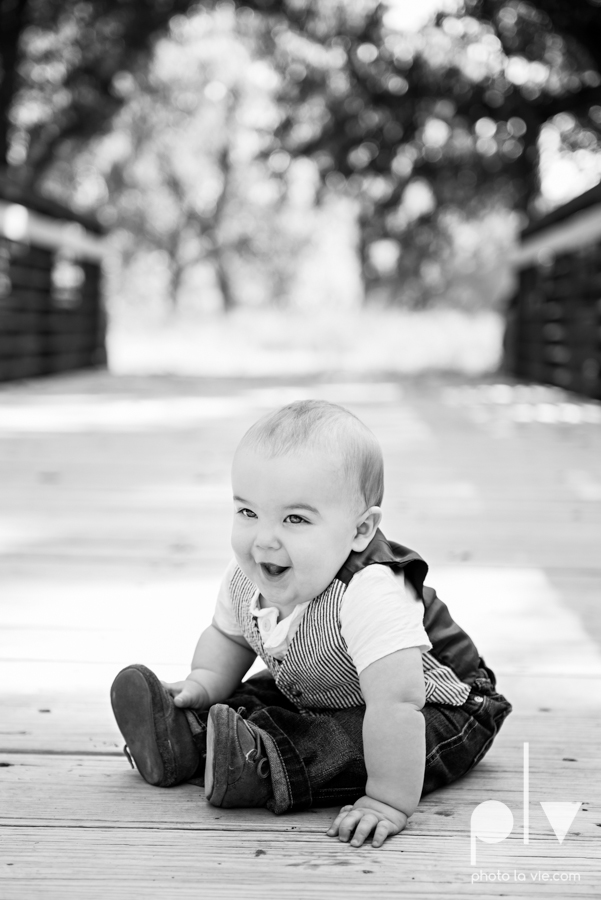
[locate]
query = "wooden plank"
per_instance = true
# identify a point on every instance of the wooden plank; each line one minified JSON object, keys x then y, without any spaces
{"x":19,"y":344}
{"x":562,"y":742}
{"x":429,"y":533}
{"x":22,"y":275}
{"x":77,"y":321}
{"x":26,"y":299}
{"x":95,"y":804}
{"x":63,"y":344}
{"x":92,"y":520}
{"x":66,"y":708}
{"x":25,"y":254}
{"x":94,"y":791}
{"x":22,"y":367}
{"x":83,"y":484}
{"x":67,"y":723}
{"x":94,"y":862}
{"x":15,"y":321}
{"x":67,"y":361}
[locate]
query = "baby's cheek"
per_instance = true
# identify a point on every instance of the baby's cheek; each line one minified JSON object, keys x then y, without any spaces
{"x":314,"y":565}
{"x":239,"y":541}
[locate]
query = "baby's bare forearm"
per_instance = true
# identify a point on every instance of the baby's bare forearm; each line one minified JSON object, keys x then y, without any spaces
{"x":395,"y":753}
{"x":219,"y":664}
{"x":214,"y":686}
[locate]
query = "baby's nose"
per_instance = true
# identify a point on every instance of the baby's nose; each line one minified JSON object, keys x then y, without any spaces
{"x":267,"y":539}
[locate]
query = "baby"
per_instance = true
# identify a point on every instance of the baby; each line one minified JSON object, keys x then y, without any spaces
{"x":372,"y":695}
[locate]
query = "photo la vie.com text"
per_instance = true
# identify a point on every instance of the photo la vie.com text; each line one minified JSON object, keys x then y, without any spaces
{"x":492,"y":822}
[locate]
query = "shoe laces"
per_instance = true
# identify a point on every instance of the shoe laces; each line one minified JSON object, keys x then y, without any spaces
{"x":254,"y":752}
{"x":262,"y":764}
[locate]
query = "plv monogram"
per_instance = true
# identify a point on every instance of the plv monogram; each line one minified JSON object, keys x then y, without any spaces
{"x":492,"y":821}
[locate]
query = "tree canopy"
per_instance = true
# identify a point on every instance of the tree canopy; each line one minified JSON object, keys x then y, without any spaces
{"x":417,"y":123}
{"x":184,"y":176}
{"x":422,"y":128}
{"x":62,"y":65}
{"x":361,"y":89}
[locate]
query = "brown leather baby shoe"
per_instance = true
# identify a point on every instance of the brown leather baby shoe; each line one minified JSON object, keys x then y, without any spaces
{"x":237,"y":768}
{"x":156,"y":731}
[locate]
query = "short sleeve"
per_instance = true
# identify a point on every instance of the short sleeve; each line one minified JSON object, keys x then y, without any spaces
{"x":223,"y":617}
{"x":379,"y":615}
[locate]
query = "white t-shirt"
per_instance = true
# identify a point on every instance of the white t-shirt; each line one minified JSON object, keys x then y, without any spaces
{"x":379,"y":615}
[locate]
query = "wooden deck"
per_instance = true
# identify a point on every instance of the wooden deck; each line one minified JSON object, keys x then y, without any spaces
{"x":114,"y":520}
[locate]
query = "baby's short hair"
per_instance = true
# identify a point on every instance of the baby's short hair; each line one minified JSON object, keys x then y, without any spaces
{"x":320,"y":425}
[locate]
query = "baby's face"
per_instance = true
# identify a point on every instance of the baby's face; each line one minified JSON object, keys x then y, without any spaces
{"x":294,"y":523}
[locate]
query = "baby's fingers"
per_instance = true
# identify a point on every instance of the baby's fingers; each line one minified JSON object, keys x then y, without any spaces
{"x":333,"y":829}
{"x":383,"y":830}
{"x":349,"y":823}
{"x":188,"y":698}
{"x":173,"y":688}
{"x":182,"y":695}
{"x":364,"y":829}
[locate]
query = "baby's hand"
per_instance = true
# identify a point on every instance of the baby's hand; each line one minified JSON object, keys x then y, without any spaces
{"x":364,"y":817}
{"x":187,"y":694}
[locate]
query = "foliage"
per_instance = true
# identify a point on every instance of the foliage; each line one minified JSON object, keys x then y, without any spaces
{"x":415,"y":124}
{"x":424,"y":131}
{"x":62,"y":65}
{"x":180,"y":176}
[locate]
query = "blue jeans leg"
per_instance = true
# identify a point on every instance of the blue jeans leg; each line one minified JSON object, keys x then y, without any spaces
{"x":317,"y":759}
{"x":458,"y":737}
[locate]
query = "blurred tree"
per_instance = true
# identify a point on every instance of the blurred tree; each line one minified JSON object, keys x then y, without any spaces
{"x":180,"y":173}
{"x":170,"y":183}
{"x":61,"y":62}
{"x":424,"y":129}
{"x":414,"y":124}
{"x":578,"y":24}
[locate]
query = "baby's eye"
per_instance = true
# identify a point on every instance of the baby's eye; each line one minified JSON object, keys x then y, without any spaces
{"x":294,"y":519}
{"x":247,"y":513}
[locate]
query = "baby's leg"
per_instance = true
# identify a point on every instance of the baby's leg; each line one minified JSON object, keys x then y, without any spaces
{"x":311,"y":759}
{"x":457,"y":737}
{"x":259,"y":692}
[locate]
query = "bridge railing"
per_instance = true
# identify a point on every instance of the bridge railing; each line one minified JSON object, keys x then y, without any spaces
{"x":554,"y":320}
{"x":51,"y":311}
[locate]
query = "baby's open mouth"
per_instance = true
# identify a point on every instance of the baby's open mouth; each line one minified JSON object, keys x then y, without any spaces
{"x":272,"y":570}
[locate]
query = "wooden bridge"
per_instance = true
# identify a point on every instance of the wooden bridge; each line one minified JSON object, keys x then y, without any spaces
{"x":114,"y":521}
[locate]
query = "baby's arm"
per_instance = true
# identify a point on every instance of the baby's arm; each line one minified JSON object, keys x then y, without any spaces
{"x":394,"y":748}
{"x":219,"y":664}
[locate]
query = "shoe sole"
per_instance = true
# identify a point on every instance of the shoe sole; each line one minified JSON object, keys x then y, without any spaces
{"x":217,"y":765}
{"x":137,"y":698}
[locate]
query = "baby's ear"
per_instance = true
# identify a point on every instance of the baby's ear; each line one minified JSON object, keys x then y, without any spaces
{"x":366,"y":528}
